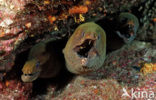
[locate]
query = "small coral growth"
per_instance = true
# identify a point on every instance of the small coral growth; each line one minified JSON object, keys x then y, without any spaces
{"x":148,"y":68}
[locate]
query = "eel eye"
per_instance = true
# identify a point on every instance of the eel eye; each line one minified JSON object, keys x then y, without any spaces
{"x":98,"y":37}
{"x":37,"y":64}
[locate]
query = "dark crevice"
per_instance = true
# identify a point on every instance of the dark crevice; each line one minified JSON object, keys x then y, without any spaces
{"x":113,"y":41}
{"x":84,"y":48}
{"x":16,"y":70}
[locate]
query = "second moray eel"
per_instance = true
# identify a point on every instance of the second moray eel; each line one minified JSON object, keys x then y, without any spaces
{"x":128,"y":26}
{"x":43,"y":61}
{"x":85,"y":51}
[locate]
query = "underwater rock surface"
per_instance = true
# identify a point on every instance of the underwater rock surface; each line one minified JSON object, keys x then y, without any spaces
{"x":24,"y":23}
{"x":118,"y":72}
{"x":26,"y":19}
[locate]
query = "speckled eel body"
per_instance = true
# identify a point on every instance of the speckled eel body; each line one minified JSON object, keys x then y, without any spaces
{"x":85,"y":50}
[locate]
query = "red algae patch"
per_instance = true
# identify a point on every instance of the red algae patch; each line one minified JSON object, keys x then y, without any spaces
{"x":51,"y":19}
{"x":78,"y":10}
{"x":13,"y":89}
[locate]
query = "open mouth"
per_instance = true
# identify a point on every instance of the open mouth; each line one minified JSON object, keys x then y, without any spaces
{"x":83,"y":49}
{"x":33,"y":74}
{"x":30,"y":77}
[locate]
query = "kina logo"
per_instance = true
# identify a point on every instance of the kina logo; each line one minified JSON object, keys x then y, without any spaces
{"x":139,"y":93}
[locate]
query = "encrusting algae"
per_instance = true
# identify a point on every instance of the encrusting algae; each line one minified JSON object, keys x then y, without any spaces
{"x":85,"y":50}
{"x":148,"y":68}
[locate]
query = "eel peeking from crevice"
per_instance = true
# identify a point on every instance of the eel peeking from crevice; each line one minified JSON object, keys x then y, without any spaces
{"x":43,"y":62}
{"x":128,"y":26}
{"x":85,"y":50}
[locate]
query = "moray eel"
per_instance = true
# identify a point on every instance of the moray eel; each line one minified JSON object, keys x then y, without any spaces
{"x":129,"y":26}
{"x":85,"y":50}
{"x":41,"y":63}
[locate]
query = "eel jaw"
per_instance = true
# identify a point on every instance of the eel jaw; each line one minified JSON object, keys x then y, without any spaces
{"x":83,"y":49}
{"x":30,"y":77}
{"x":86,"y":52}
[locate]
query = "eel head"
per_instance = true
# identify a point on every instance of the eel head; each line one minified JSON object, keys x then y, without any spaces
{"x":38,"y":56}
{"x":33,"y":67}
{"x":86,"y":49}
{"x":31,"y":70}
